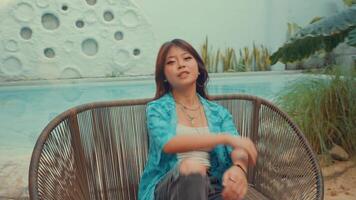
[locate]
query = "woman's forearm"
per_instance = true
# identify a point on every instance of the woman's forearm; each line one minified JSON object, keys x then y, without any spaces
{"x":184,"y":143}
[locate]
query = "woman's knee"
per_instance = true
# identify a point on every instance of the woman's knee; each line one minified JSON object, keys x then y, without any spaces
{"x":189,"y":166}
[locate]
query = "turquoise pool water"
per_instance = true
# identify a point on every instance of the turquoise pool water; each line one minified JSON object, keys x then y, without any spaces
{"x":25,"y":110}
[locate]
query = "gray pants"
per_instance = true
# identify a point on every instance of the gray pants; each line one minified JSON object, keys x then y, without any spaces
{"x":188,"y":187}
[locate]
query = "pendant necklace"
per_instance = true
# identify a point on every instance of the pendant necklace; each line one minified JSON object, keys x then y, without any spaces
{"x":190,"y":118}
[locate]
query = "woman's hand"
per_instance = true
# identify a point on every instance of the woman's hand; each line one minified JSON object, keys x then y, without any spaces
{"x":235,"y":184}
{"x":246,"y":144}
{"x":239,"y":156}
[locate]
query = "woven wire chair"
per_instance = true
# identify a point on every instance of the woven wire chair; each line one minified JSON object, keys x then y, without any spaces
{"x":98,"y":151}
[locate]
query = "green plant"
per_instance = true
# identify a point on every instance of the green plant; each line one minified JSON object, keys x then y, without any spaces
{"x":241,"y":67}
{"x":323,"y":34}
{"x":229,"y":60}
{"x":349,"y":2}
{"x":255,"y":60}
{"x":211,"y":62}
{"x":264,"y":63}
{"x":324,"y":108}
{"x":246,"y":58}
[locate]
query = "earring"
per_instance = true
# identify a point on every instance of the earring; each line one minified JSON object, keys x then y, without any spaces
{"x":165,"y":80}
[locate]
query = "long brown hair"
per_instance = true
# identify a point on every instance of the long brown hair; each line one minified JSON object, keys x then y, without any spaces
{"x":163,"y":86}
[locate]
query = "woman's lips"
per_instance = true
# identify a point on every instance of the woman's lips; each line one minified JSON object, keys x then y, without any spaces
{"x":183,"y":74}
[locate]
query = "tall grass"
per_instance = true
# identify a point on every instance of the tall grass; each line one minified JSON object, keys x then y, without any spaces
{"x":210,"y":59}
{"x":324,"y":108}
{"x":255,"y":59}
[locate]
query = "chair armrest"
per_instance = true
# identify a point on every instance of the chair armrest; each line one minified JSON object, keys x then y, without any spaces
{"x":286,"y":167}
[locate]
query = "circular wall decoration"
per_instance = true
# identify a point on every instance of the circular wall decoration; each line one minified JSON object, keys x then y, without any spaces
{"x":130,"y":19}
{"x":91,"y":2}
{"x":136,"y":52}
{"x":98,"y":37}
{"x":70,"y":72}
{"x":26,"y":33}
{"x":11,"y":65}
{"x":49,"y":53}
{"x":24,"y":12}
{"x":108,"y":16}
{"x":50,"y":21}
{"x":90,"y":47}
{"x":64,"y":8}
{"x":11,"y":46}
{"x":79,"y":23}
{"x":122,"y":57}
{"x":42,"y":3}
{"x":119,"y":35}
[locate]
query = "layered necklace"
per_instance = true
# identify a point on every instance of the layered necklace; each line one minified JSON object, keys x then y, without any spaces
{"x":191,"y":118}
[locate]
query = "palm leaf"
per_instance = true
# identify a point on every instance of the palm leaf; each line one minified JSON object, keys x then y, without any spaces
{"x":352,"y":38}
{"x":324,"y":34}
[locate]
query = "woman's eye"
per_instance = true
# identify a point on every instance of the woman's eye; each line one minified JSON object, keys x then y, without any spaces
{"x":170,"y":62}
{"x":188,"y":58}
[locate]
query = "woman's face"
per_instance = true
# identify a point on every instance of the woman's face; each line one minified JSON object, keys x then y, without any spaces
{"x":181,"y":68}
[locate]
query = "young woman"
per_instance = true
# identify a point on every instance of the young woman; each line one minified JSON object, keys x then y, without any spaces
{"x":194,"y":148}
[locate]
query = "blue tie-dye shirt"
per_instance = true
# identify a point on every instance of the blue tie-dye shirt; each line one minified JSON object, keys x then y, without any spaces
{"x":162,"y":122}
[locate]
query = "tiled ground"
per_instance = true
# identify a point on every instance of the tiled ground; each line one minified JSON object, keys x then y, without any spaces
{"x":13,"y":177}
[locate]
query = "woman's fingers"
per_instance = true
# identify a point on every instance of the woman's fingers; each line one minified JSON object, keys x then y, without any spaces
{"x":251,"y":150}
{"x":235,"y":184}
{"x":232,"y":192}
{"x":252,"y":153}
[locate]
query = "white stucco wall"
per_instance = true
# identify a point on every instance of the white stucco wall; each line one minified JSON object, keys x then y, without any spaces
{"x":232,"y":23}
{"x":43,"y":39}
{"x":226,"y":23}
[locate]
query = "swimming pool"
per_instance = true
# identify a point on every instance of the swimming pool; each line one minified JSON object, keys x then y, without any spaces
{"x":26,"y":109}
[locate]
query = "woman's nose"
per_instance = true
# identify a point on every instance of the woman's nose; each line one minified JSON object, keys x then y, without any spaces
{"x":181,"y":64}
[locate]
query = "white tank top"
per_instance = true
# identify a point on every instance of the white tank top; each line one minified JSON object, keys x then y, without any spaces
{"x":201,"y":156}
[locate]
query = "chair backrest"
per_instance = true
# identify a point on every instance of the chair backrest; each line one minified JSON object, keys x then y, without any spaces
{"x":99,"y":150}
